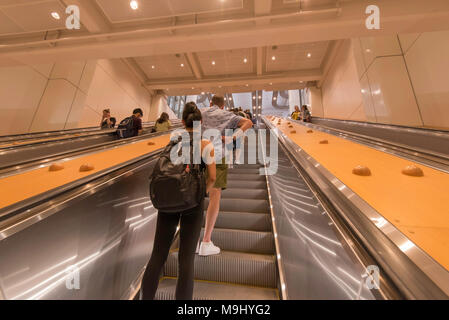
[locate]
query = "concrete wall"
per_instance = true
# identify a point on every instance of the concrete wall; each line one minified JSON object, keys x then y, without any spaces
{"x":67,"y":95}
{"x":402,"y":79}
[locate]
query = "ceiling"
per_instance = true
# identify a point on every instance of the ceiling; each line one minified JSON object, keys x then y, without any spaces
{"x":190,"y":46}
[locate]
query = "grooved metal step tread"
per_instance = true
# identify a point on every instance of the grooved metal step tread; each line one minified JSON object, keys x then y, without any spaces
{"x":204,"y":290}
{"x":244,"y":221}
{"x":250,"y":177}
{"x":246,"y":166}
{"x":231,"y":267}
{"x":249,"y":184}
{"x":247,"y":241}
{"x":242,"y":193}
{"x":245,"y":205}
{"x":237,"y":170}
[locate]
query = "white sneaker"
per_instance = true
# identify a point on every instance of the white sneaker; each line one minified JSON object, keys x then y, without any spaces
{"x":208,"y":248}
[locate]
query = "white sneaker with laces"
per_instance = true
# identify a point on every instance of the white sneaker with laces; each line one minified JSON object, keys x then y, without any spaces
{"x":208,"y":248}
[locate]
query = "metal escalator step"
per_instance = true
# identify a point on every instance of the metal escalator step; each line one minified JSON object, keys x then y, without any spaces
{"x":244,"y":205}
{"x":249,"y":184}
{"x":246,"y":166}
{"x":204,"y":290}
{"x":250,"y":177}
{"x":237,"y":170}
{"x":231,"y":267}
{"x":241,"y":193}
{"x":243,"y":240}
{"x":244,"y":221}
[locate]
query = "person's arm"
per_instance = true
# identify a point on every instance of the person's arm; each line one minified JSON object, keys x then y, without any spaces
{"x":139,"y":128}
{"x":207,"y":146}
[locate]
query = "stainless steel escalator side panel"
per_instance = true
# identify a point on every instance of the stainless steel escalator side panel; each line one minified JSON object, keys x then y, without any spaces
{"x":103,"y":233}
{"x":413,"y":272}
{"x":313,"y":261}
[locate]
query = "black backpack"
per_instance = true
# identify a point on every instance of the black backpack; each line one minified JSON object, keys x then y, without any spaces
{"x":126,"y":128}
{"x":176,"y":187}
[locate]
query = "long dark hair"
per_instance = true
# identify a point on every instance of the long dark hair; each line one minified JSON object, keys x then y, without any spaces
{"x":190,"y":114}
{"x":163,"y":118}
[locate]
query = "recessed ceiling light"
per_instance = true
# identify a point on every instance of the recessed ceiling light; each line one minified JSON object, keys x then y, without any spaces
{"x":230,"y":99}
{"x":134,"y":5}
{"x":271,"y":83}
{"x":274,"y":98}
{"x":273,"y":58}
{"x":247,"y":85}
{"x":219,"y":86}
{"x":193,"y":88}
{"x":254,"y":98}
{"x":202,"y":92}
{"x":152,"y":67}
{"x":245,"y":60}
{"x":182,"y":65}
{"x":309,"y":55}
{"x":55,"y":15}
{"x":213,"y":63}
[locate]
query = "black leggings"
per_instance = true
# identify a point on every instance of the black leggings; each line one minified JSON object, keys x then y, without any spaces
{"x":191,"y":222}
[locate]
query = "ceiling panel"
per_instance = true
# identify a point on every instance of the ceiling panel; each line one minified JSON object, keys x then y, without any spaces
{"x":226,"y":62}
{"x":294,"y":57}
{"x":32,"y":16}
{"x":7,"y":25}
{"x":120,"y":10}
{"x":165,"y":67}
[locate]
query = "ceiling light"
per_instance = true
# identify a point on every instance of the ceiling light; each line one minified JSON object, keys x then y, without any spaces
{"x":182,"y":65}
{"x":202,"y":92}
{"x":230,"y":99}
{"x":219,"y":86}
{"x":254,"y":98}
{"x":193,"y":88}
{"x":134,"y":5}
{"x":245,"y":60}
{"x":271,"y":83}
{"x":247,"y":85}
{"x":213,"y":63}
{"x":152,"y":67}
{"x":273,"y":58}
{"x":55,"y":15}
{"x":309,"y":55}
{"x":274,"y":98}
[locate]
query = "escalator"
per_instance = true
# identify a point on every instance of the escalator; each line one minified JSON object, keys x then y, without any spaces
{"x":246,"y":267}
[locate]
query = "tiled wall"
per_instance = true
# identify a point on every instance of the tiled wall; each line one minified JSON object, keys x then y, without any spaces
{"x":341,"y":95}
{"x":67,"y":95}
{"x":400,"y":79}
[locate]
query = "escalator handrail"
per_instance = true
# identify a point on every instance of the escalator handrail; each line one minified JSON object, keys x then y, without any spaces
{"x":35,"y":162}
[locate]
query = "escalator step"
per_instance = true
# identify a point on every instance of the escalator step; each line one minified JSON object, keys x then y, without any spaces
{"x":244,"y":221}
{"x":249,"y":184}
{"x":231,"y":267}
{"x":204,"y":290}
{"x":251,"y":177}
{"x":237,"y":170}
{"x":240,"y":193}
{"x":243,"y":240}
{"x":244,"y":205}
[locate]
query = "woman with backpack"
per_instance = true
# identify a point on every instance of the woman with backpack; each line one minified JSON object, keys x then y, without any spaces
{"x":190,"y":220}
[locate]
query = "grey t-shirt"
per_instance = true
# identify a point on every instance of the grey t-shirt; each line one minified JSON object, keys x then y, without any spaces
{"x":216,"y":118}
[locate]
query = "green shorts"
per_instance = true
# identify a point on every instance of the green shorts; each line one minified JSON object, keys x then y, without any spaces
{"x":221,"y":180}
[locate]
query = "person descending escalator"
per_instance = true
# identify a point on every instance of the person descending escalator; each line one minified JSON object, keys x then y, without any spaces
{"x":163,"y":124}
{"x":106,"y":121}
{"x":178,"y":190}
{"x":305,"y":114}
{"x":131,"y":126}
{"x":296,"y":115}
